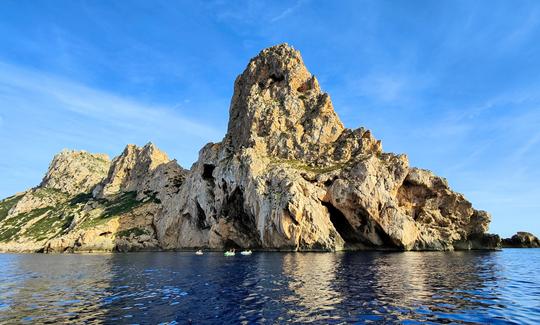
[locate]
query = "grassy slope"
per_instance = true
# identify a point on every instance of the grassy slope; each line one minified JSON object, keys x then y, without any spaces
{"x":7,"y":204}
{"x":52,"y":221}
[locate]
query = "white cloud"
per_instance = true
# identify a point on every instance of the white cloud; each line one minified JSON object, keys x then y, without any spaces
{"x":43,"y":113}
{"x":389,"y":87}
{"x":98,"y":104}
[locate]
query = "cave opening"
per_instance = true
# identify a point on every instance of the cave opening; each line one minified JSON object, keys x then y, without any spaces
{"x":342,"y":225}
{"x":233,"y":209}
{"x":277,"y":78}
{"x":208,"y":170}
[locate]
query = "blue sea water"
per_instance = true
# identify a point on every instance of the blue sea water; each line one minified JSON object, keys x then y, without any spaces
{"x":323,"y":288}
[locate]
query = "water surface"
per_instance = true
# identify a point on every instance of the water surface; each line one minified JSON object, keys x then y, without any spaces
{"x":439,"y":287}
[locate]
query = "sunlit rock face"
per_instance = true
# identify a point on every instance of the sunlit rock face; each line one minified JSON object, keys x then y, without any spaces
{"x":288,"y":175}
{"x":85,"y":203}
{"x":131,"y":171}
{"x":70,"y":173}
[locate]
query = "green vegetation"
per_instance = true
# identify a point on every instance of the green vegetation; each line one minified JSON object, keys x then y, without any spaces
{"x":12,"y":226}
{"x":92,"y":222}
{"x":7,"y":204}
{"x":49,"y":192}
{"x":97,"y":164}
{"x":44,"y":223}
{"x":135,"y":231}
{"x":81,"y":198}
{"x":123,"y":203}
{"x":55,"y":222}
{"x":99,"y":159}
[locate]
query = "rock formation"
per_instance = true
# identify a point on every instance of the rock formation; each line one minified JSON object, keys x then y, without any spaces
{"x":521,"y":239}
{"x":85,"y":203}
{"x":287,"y":176}
{"x":131,"y":171}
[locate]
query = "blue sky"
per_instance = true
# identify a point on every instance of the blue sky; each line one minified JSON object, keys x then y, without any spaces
{"x":454,"y":84}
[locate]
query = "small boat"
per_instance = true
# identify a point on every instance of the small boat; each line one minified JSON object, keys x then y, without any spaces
{"x":248,"y":252}
{"x":199,"y":252}
{"x":230,"y":252}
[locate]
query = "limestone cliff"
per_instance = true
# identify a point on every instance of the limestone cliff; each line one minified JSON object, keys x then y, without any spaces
{"x":62,"y":214}
{"x":132,"y":171}
{"x":287,"y":176}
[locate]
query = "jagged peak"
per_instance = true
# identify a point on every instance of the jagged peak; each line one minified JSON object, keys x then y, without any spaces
{"x":129,"y":169}
{"x":75,"y":171}
{"x":279,"y":107}
{"x":149,"y":150}
{"x":78,"y":153}
{"x":279,"y":65}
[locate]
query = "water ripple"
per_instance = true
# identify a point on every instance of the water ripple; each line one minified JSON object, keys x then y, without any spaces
{"x":342,"y":288}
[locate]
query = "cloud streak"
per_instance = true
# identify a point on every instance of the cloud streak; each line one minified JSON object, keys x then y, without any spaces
{"x":288,"y":11}
{"x":100,"y":105}
{"x":40,"y":114}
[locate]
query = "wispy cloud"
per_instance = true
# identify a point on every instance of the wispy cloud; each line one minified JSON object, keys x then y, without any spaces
{"x":516,"y":37}
{"x":41,"y":113}
{"x":98,"y":104}
{"x":287,"y":11}
{"x":389,"y":87}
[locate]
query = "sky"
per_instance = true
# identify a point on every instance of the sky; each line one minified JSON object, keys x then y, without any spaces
{"x":454,"y":84}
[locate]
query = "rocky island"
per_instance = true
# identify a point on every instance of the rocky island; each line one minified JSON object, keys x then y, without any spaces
{"x":521,"y":239}
{"x":287,"y":176}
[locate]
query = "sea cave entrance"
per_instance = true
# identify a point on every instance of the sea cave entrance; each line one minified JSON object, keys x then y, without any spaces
{"x":352,"y":237}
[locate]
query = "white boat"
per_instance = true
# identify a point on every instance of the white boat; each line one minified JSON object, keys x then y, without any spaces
{"x":229,"y":253}
{"x":248,"y":252}
{"x":199,"y":252}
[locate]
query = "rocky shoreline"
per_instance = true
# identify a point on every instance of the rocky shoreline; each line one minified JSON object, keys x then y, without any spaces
{"x":287,"y":176}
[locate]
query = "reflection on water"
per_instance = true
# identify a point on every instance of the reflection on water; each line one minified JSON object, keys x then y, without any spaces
{"x":460,"y":287}
{"x":310,"y":279}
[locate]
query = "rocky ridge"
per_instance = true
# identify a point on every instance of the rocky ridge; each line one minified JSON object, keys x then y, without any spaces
{"x":287,"y":176}
{"x":87,"y":203}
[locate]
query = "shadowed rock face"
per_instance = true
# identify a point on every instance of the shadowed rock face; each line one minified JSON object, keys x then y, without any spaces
{"x":521,"y":239}
{"x":288,"y":175}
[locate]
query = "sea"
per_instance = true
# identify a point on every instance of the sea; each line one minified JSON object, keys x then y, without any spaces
{"x":476,"y":287}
